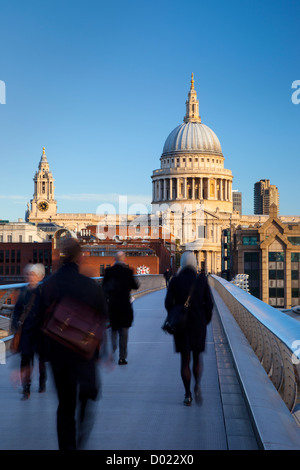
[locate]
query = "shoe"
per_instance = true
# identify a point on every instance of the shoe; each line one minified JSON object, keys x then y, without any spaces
{"x":198,"y":395}
{"x":187,"y":400}
{"x":26,"y":393}
{"x":122,"y":362}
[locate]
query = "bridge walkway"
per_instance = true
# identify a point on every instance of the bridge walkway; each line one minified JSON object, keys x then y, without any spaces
{"x":141,"y":407}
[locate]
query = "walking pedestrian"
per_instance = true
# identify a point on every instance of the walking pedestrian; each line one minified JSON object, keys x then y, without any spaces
{"x":167,"y":276}
{"x":26,"y":318}
{"x":117,"y":283}
{"x":190,"y":339}
{"x":72,"y":373}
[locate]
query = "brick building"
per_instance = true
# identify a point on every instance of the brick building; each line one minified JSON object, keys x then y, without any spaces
{"x":143,"y":255}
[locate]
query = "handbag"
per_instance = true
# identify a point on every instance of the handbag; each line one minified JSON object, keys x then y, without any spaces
{"x":77,"y":326}
{"x":176,"y":318}
{"x":15,"y":342}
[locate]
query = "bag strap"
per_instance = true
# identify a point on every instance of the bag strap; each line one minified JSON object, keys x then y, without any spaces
{"x":27,"y":309}
{"x":187,"y":302}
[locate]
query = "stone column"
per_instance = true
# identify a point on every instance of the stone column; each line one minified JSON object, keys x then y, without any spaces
{"x":161,"y":189}
{"x":185,"y":188}
{"x":170,"y":189}
{"x":165,"y":189}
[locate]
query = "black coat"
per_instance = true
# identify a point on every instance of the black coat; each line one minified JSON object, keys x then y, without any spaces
{"x":192,"y":337}
{"x":117,"y":283}
{"x":30,"y":338}
{"x":67,"y":281}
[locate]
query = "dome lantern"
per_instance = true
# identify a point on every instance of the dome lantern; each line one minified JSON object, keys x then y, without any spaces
{"x":192,"y":105}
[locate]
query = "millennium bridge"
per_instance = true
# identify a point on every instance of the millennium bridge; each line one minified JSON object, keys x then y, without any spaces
{"x":250,"y":383}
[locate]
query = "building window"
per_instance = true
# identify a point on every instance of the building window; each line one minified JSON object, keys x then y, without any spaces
{"x":295,"y":278}
{"x":276,"y":279}
{"x":1,"y":256}
{"x":276,"y":256}
{"x":20,"y":238}
{"x":251,"y":267}
{"x":250,"y":240}
{"x":294,"y":240}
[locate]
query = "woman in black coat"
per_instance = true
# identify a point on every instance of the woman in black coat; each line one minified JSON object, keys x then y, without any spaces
{"x":31,"y":341}
{"x":191,"y":338}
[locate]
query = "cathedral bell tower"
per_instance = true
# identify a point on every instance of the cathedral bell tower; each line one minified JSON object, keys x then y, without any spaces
{"x":43,"y":204}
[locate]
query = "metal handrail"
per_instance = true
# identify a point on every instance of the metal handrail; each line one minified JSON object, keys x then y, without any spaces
{"x":273,"y":335}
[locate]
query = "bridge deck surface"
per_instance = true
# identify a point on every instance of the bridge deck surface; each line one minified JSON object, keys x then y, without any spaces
{"x":141,"y":407}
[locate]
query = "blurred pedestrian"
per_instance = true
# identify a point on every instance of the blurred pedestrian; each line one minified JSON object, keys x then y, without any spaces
{"x":190,"y":339}
{"x":75,"y":376}
{"x":167,"y":276}
{"x":117,"y":283}
{"x":26,"y":320}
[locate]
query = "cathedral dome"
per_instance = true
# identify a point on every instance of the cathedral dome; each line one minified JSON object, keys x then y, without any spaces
{"x":192,"y":137}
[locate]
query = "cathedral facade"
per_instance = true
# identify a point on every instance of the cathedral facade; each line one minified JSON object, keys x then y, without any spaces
{"x":191,"y":195}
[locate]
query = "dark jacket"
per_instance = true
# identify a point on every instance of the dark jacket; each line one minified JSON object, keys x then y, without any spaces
{"x":67,"y":281}
{"x":117,"y":283}
{"x":192,"y":337}
{"x":30,"y":338}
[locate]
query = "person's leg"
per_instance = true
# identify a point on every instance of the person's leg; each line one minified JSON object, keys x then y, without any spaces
{"x":123,"y":342}
{"x":186,"y":377}
{"x":197,"y":372}
{"x":114,"y":341}
{"x":65,"y":374}
{"x":25,"y":370}
{"x":43,"y":375}
{"x":89,"y":388}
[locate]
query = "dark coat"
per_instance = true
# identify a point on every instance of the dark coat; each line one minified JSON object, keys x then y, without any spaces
{"x":117,"y":283}
{"x":67,"y":281}
{"x":30,"y":338}
{"x":192,"y":337}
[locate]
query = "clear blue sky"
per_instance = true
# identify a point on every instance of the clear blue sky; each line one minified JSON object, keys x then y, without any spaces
{"x":101,"y":84}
